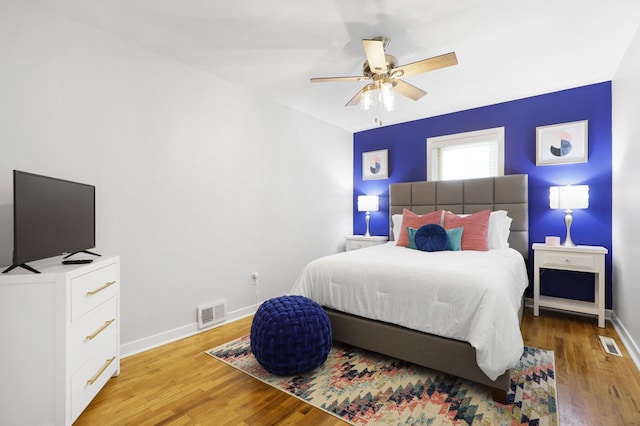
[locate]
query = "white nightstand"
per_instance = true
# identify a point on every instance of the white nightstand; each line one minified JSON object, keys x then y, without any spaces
{"x":578,"y":258}
{"x":355,"y":242}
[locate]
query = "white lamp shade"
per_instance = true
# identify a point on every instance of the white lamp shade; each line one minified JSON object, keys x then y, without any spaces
{"x":569,"y":197}
{"x":367,"y":203}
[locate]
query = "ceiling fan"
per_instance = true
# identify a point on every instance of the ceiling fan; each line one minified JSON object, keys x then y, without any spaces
{"x":385,"y":74}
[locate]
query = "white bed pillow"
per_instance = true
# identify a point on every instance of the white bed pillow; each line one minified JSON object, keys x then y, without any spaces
{"x":499,"y":229}
{"x":396,"y":219}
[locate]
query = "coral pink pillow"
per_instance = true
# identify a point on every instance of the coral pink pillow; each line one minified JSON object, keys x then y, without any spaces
{"x":476,"y":229}
{"x":412,"y":220}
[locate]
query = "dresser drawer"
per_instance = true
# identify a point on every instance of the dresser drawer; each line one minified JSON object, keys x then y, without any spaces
{"x":94,"y":334}
{"x":89,"y":379}
{"x":92,"y":289}
{"x":582,"y":262}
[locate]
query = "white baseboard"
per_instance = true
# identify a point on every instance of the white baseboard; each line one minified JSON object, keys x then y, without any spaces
{"x":627,"y":340}
{"x":169,"y":336}
{"x":144,"y":344}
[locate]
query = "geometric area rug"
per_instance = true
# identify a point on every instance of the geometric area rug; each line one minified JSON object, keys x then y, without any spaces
{"x":366,"y":388}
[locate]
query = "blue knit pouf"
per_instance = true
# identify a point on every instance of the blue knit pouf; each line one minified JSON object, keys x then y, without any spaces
{"x":290,"y":335}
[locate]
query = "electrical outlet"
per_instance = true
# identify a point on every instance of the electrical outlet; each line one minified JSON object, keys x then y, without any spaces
{"x":254,"y":278}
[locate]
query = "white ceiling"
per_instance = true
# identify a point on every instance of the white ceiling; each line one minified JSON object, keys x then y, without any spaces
{"x":506,"y":49}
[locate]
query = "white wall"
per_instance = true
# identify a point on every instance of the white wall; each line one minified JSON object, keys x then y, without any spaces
{"x":199,"y":182}
{"x":626,"y":197}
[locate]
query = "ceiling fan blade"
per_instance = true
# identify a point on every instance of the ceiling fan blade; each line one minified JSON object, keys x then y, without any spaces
{"x":374,"y":49}
{"x":331,"y":79}
{"x":356,"y":99}
{"x":408,"y":90}
{"x":425,"y":65}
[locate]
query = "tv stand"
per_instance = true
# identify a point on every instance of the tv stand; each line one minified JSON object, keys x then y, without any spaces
{"x":81,"y":251}
{"x":22,"y":265}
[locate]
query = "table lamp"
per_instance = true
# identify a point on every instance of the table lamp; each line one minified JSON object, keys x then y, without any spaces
{"x":367,"y":203}
{"x":569,"y":198}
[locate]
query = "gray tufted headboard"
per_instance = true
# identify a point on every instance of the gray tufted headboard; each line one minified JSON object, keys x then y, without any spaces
{"x":510,"y":193}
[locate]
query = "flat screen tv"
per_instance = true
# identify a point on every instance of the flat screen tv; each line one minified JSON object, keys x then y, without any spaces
{"x":51,"y":217}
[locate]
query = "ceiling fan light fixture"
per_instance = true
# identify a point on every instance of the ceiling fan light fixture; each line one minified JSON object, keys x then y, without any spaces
{"x":386,"y":96}
{"x":386,"y":99}
{"x":384,"y":73}
{"x":367,"y":101}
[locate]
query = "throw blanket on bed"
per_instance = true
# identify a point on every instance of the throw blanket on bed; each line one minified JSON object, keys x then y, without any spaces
{"x":471,"y":296}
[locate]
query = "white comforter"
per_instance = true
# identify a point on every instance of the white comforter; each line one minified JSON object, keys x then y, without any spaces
{"x":471,"y":296}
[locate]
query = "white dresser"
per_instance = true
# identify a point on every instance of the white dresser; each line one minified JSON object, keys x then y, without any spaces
{"x":60,"y":334}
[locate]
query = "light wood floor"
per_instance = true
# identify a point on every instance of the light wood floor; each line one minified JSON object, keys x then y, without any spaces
{"x":178,"y":384}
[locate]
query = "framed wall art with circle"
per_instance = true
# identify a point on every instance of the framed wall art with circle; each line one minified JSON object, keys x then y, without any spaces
{"x":562,"y":143}
{"x":375,"y":164}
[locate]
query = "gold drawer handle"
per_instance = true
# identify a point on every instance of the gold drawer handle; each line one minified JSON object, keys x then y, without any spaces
{"x":98,"y":290}
{"x":100,"y":330}
{"x":99,"y":373}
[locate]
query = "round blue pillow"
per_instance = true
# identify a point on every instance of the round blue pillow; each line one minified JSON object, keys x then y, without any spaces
{"x":431,"y":238}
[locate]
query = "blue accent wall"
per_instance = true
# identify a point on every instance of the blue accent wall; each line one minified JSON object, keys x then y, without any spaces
{"x":406,"y":143}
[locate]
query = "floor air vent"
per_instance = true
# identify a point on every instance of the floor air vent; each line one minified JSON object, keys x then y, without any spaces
{"x":212,"y":313}
{"x":610,"y":346}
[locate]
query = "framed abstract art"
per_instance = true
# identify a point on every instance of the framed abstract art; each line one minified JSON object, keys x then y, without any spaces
{"x":562,"y":143}
{"x":375,"y":164}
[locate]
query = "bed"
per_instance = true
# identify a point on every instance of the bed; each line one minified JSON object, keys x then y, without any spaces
{"x":478,"y":337}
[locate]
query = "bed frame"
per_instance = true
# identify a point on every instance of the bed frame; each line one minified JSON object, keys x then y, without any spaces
{"x":447,"y":355}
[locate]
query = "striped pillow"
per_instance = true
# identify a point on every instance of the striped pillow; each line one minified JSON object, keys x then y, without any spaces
{"x":476,"y":229}
{"x":412,"y":220}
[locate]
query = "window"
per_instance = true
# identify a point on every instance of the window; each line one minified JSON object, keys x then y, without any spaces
{"x":466,"y":155}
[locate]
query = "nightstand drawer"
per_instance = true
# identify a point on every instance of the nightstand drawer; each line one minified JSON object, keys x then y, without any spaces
{"x":353,"y":245}
{"x":354,"y":242}
{"x":567,"y":260}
